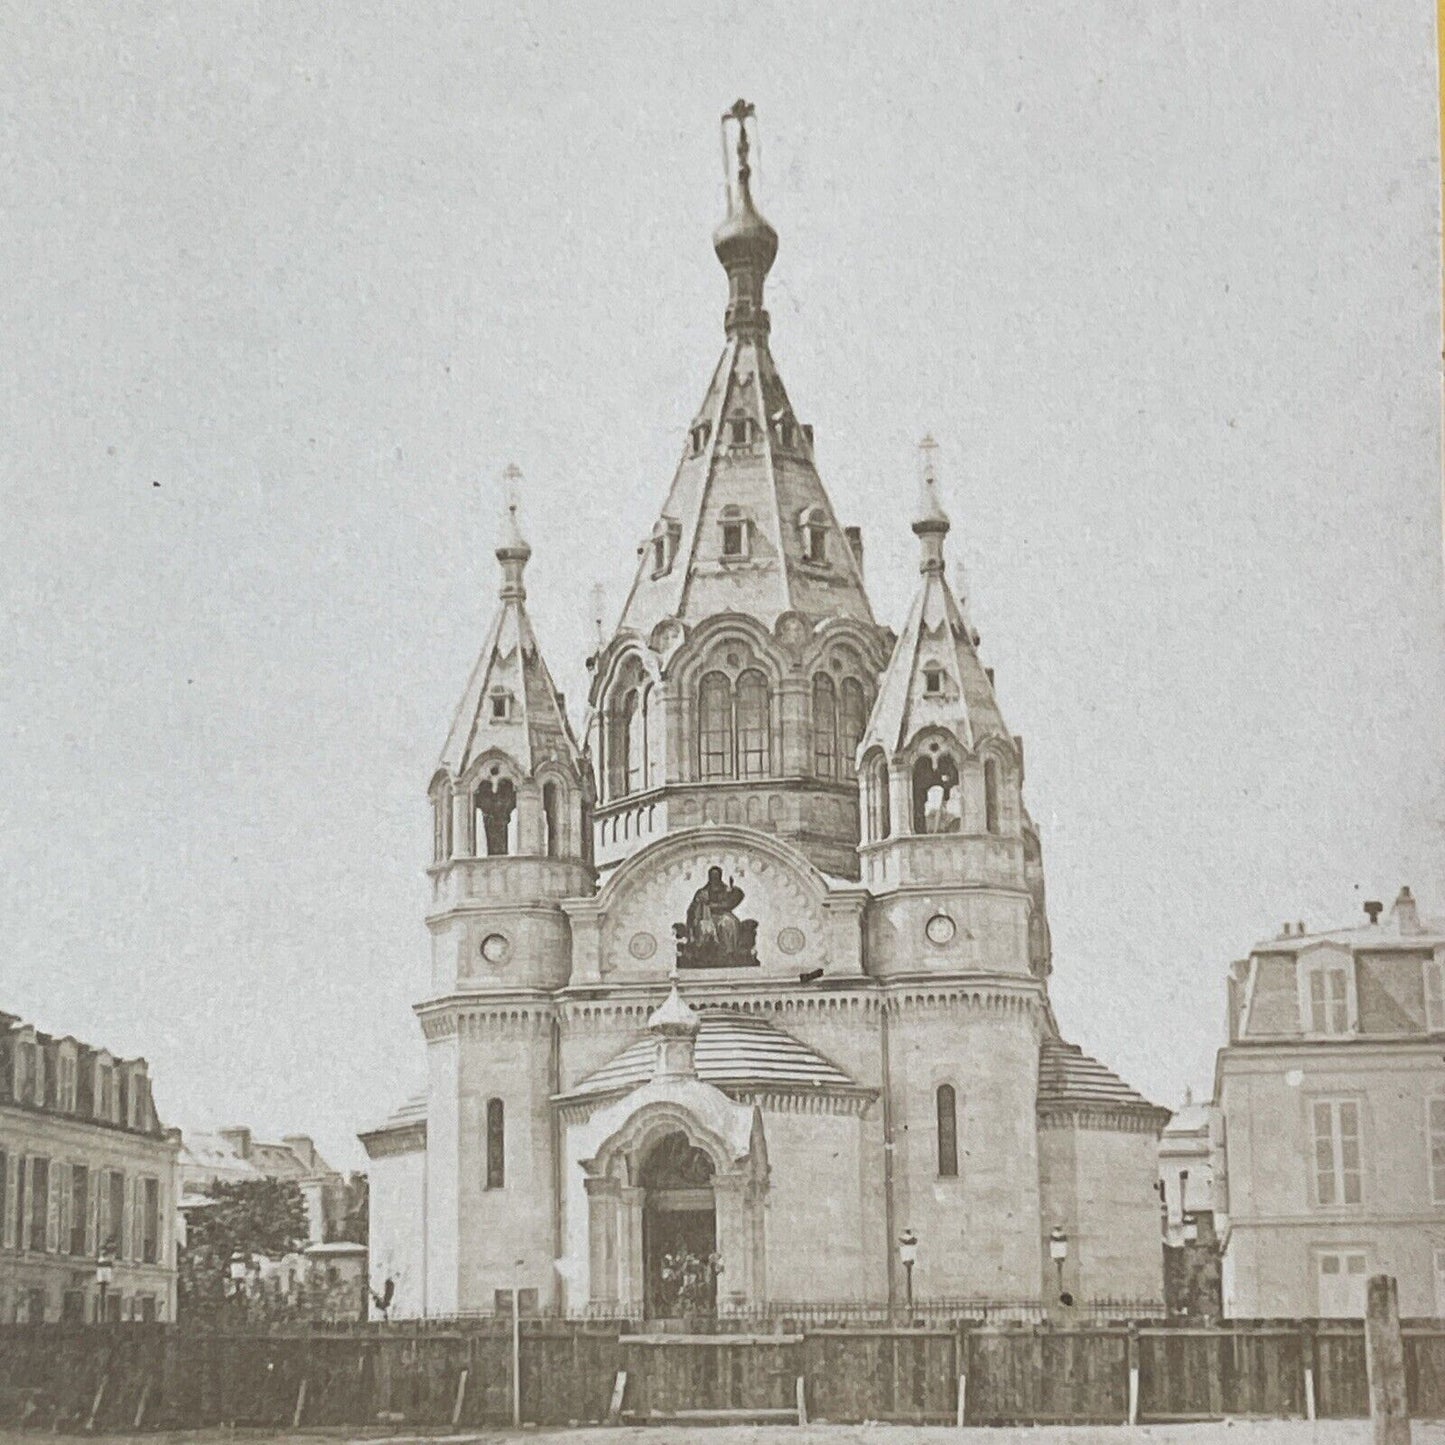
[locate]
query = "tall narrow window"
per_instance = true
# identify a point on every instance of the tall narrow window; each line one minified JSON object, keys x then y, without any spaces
{"x":1337,"y":1151}
{"x":496,"y":801}
{"x":947,"y":1132}
{"x":1437,"y":1149}
{"x":552,"y":819}
{"x":115,"y":1203}
{"x":39,"y":1202}
{"x":877,"y":789}
{"x":622,"y":749}
{"x":937,"y":801}
{"x":150,"y":1202}
{"x":852,"y":719}
{"x":990,"y":795}
{"x":752,"y":715}
{"x":496,"y":1145}
{"x":1329,"y":1000}
{"x":825,"y":727}
{"x":1435,"y":995}
{"x":79,"y":1208}
{"x":715,"y":727}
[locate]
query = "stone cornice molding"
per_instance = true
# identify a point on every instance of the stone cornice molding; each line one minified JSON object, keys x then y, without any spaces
{"x":772,"y":1098}
{"x":473,"y":1016}
{"x":1112,"y":1118}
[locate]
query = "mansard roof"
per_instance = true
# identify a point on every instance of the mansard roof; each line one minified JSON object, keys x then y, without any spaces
{"x":511,"y":705}
{"x":935,"y":639}
{"x":732,"y":1050}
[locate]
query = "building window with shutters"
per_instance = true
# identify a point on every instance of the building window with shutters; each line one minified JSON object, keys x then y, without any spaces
{"x":115,"y":1215}
{"x":39,"y":1203}
{"x":1337,"y":1153}
{"x":947,"y":1105}
{"x":496,"y":1145}
{"x":150,"y":1240}
{"x":79,"y":1208}
{"x":1435,"y":1126}
{"x":1434,"y":980}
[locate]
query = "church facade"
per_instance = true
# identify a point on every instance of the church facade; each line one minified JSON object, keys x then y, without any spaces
{"x":751,"y":981}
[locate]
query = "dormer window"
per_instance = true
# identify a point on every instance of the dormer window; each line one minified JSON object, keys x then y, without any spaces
{"x":740,"y":430}
{"x":933,"y":681}
{"x":785,"y":429}
{"x":699,"y":435}
{"x":663,"y":545}
{"x":736,"y":531}
{"x":501,"y":705}
{"x":1327,"y":997}
{"x":814,"y":527}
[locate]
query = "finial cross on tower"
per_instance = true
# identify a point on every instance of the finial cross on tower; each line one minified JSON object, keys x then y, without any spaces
{"x":741,"y":111}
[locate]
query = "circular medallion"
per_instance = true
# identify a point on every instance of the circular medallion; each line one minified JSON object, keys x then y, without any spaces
{"x":791,"y":940}
{"x":496,"y":948}
{"x":642,"y":945}
{"x":939,"y":928}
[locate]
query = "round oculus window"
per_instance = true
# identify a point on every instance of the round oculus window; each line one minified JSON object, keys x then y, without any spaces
{"x":642,"y":945}
{"x":791,"y":940}
{"x":939,"y":928}
{"x":496,"y":948}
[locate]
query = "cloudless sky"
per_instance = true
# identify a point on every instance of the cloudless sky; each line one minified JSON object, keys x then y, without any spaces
{"x":284,"y":287}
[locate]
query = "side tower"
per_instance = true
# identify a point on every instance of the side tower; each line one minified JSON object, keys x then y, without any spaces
{"x":956,"y":901}
{"x":510,"y":801}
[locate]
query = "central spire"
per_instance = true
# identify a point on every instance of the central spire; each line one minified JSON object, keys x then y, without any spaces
{"x":745,"y":243}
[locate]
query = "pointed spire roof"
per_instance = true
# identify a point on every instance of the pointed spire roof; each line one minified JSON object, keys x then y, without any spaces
{"x":934,"y":678}
{"x":747,"y":462}
{"x":511,"y":703}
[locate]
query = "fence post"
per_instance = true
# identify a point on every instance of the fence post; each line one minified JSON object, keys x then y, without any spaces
{"x":1308,"y":1345}
{"x":1385,"y":1363}
{"x":1133,"y":1357}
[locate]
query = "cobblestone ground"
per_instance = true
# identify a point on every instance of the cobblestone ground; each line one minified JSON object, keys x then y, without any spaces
{"x":1242,"y":1432}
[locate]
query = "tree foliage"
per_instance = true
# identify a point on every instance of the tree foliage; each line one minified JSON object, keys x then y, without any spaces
{"x":255,"y":1218}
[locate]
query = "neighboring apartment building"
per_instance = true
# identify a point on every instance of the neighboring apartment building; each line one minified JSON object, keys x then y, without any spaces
{"x":234,"y":1154}
{"x":1186,"y":1193}
{"x":1330,"y":1146}
{"x":88,"y":1173}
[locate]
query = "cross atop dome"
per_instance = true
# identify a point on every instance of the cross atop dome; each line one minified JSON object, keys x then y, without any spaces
{"x":745,"y":243}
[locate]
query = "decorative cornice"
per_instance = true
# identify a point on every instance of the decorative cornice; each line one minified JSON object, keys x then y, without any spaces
{"x":394,"y":1139}
{"x":1091,"y":1114}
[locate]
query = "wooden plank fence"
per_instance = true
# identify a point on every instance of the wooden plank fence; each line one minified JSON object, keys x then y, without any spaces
{"x":165,"y":1376}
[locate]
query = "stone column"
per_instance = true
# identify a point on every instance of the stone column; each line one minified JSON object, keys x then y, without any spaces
{"x":795,"y":753}
{"x":602,"y":1252}
{"x":531,"y":841}
{"x":462,"y":824}
{"x":736,"y":1239}
{"x":631,"y":1264}
{"x":900,"y":798}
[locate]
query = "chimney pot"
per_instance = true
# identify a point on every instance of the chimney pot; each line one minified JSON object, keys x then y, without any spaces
{"x":808,"y":434}
{"x":1405,"y":914}
{"x":1300,"y":928}
{"x":1374,"y":909}
{"x":1285,"y":931}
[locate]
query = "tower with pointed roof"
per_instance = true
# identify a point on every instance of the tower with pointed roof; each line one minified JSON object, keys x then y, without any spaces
{"x":767,"y":961}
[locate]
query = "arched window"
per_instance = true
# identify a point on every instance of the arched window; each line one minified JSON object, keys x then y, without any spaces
{"x":496,"y":1145}
{"x":622,"y":745}
{"x":752,"y":725}
{"x":552,"y":819}
{"x":877,"y":789}
{"x":715,"y":727}
{"x":852,"y":719}
{"x":947,"y":1132}
{"x":937,"y":800}
{"x":637,"y":742}
{"x":990,"y":795}
{"x":814,"y":526}
{"x":496,"y":804}
{"x":825,"y":727}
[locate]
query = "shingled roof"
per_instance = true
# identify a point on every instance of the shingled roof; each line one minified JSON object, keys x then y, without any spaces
{"x":1068,"y":1077}
{"x":732,"y":1049}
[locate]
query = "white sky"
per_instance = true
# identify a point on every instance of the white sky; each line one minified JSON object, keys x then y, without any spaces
{"x":284,"y":287}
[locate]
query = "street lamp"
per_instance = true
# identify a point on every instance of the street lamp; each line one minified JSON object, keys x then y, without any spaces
{"x":104,"y":1273}
{"x":1059,"y":1252}
{"x":908,"y":1257}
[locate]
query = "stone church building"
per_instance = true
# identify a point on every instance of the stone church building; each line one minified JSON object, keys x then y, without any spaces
{"x":758,"y":968}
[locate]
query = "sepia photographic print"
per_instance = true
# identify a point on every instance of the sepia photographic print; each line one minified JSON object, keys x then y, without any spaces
{"x":722,"y":721}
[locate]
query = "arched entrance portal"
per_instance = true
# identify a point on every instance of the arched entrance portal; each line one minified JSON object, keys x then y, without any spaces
{"x":679,"y":1219}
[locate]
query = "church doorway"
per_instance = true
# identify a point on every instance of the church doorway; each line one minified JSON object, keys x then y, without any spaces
{"x":679,"y":1229}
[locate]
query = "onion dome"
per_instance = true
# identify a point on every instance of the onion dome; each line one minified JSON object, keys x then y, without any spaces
{"x":745,"y":243}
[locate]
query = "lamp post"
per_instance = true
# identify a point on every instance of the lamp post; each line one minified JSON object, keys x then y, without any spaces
{"x":1059,"y":1252}
{"x":908,"y":1257}
{"x":104,"y":1272}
